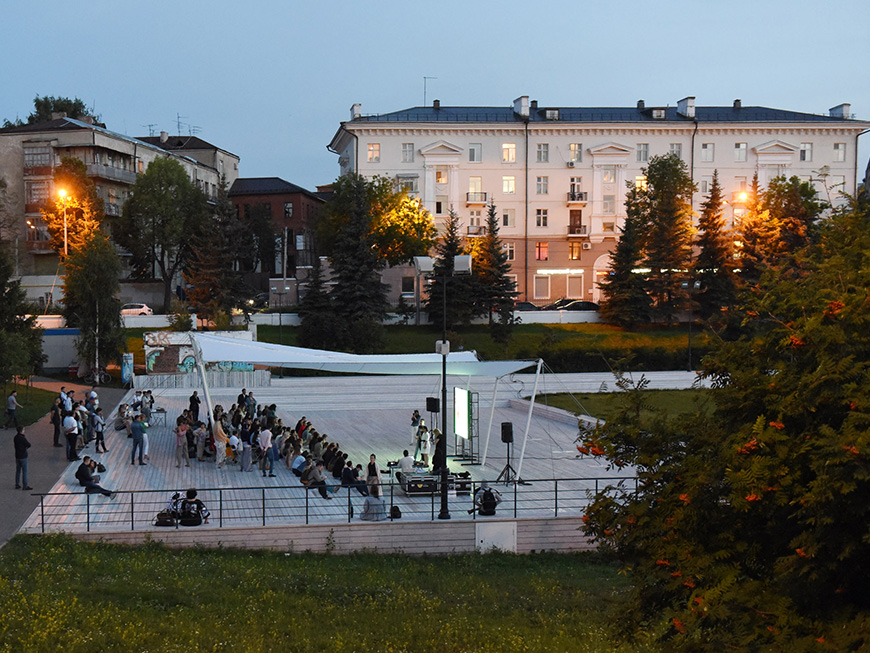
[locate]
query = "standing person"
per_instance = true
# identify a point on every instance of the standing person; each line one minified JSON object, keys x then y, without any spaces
{"x":373,"y":474}
{"x":195,"y":401}
{"x":99,"y":430}
{"x":439,"y":459}
{"x":57,"y":419}
{"x":11,"y":406}
{"x":268,"y":452}
{"x":220,"y":444}
{"x":181,"y":445}
{"x":199,"y":436}
{"x":415,"y":424}
{"x":71,"y":432}
{"x":421,"y":429}
{"x":21,"y":447}
{"x":138,"y":429}
{"x":66,"y":399}
{"x":425,"y":446}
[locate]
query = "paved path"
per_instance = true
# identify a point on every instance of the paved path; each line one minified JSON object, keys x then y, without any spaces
{"x":45,"y":462}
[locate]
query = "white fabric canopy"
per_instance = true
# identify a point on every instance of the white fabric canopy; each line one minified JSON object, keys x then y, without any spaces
{"x":215,"y":349}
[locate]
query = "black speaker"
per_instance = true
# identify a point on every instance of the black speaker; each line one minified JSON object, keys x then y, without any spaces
{"x":507,"y":432}
{"x":433,"y":405}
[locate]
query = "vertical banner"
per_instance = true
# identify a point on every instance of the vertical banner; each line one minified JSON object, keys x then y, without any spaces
{"x":126,"y":368}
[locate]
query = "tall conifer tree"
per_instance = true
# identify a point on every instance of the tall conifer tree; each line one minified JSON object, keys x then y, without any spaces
{"x":714,"y":265}
{"x":461,"y":290}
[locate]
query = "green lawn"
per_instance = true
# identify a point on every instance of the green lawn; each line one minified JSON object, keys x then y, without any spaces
{"x":35,"y":402}
{"x":59,"y":594}
{"x":606,"y":405}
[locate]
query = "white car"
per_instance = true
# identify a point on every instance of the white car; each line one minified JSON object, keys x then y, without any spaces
{"x":136,"y":309}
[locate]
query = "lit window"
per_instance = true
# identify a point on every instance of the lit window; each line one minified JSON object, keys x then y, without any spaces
{"x":806,"y":151}
{"x":509,"y":152}
{"x":608,"y":204}
{"x":374,"y":153}
{"x":475,"y":152}
{"x":575,"y":152}
{"x":740,"y":152}
{"x":541,"y":216}
{"x":407,"y":153}
{"x":542,"y":251}
{"x":510,"y":250}
{"x":574,"y":249}
{"x":676,"y":149}
{"x":642,"y":152}
{"x":608,"y":174}
{"x":543,"y":153}
{"x":508,"y":185}
{"x":839,"y":152}
{"x":507,"y":218}
{"x":288,"y":210}
{"x":640,"y":182}
{"x":707,"y":152}
{"x":608,"y":227}
{"x":440,"y":176}
{"x":542,"y":185}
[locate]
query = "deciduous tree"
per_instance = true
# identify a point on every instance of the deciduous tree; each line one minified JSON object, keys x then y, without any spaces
{"x":76,"y":214}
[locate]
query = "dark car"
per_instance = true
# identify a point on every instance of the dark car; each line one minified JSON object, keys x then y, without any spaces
{"x":559,"y":304}
{"x":525,"y":306}
{"x":580,"y":305}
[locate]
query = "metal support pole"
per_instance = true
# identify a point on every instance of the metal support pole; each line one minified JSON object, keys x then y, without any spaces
{"x":442,"y":441}
{"x":132,"y":512}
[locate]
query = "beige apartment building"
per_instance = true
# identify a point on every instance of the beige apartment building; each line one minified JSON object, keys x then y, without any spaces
{"x":558,"y":175}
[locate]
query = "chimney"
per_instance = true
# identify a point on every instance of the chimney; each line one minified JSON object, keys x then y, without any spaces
{"x":841,"y":111}
{"x":738,"y":104}
{"x":86,"y":119}
{"x":355,"y":111}
{"x":57,"y":115}
{"x":686,"y":107}
{"x":534,"y":105}
{"x":641,"y":105}
{"x":164,"y":136}
{"x":436,"y":104}
{"x":521,"y":106}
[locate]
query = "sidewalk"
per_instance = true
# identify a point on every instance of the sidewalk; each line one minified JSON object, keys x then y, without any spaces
{"x":45,"y":462}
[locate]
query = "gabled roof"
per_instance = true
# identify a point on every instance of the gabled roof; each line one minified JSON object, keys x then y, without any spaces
{"x":266,"y":186}
{"x":175,"y":143}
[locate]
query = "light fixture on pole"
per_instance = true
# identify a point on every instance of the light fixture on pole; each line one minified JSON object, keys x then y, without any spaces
{"x":63,"y":196}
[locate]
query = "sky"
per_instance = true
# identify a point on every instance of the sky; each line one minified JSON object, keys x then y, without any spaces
{"x":271,"y":81}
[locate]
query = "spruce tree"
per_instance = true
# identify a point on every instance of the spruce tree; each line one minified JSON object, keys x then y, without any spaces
{"x":757,"y":236}
{"x":20,"y":338}
{"x":714,"y":265}
{"x":495,"y":290}
{"x":461,"y":289}
{"x":319,"y":328}
{"x":626,"y":302}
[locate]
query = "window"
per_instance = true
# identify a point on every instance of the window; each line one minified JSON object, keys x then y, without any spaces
{"x":575,"y":152}
{"x":806,"y":151}
{"x":475,"y":189}
{"x":839,"y":152}
{"x":408,"y":184}
{"x":541,"y":216}
{"x":542,"y":185}
{"x":440,"y":204}
{"x":374,"y":153}
{"x":576,"y":185}
{"x":707,"y":152}
{"x":508,"y":185}
{"x":542,"y":252}
{"x":574,"y":249}
{"x":575,"y":285}
{"x":509,"y":152}
{"x":474,"y":218}
{"x":440,"y":176}
{"x":642,"y":152}
{"x":407,"y":285}
{"x":608,"y":204}
{"x":475,"y":152}
{"x":740,"y":183}
{"x":677,"y":149}
{"x":407,"y":153}
{"x":640,"y":182}
{"x":706,"y":184}
{"x":37,"y":157}
{"x":288,"y":210}
{"x":508,"y":218}
{"x":608,"y":227}
{"x":36,"y":191}
{"x":510,"y":251}
{"x":740,"y":152}
{"x":542,"y":286}
{"x":608,"y":174}
{"x":543,"y":153}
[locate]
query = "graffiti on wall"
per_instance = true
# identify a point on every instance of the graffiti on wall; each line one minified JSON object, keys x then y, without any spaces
{"x":170,"y":352}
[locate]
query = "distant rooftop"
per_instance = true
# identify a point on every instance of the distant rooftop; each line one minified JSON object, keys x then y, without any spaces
{"x":266,"y":186}
{"x":178,"y":143}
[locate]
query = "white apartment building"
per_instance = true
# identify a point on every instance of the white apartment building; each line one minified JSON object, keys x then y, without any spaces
{"x":558,"y":176}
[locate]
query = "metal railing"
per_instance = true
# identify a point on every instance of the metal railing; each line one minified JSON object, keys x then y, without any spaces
{"x":293,"y":505}
{"x":475,"y":197}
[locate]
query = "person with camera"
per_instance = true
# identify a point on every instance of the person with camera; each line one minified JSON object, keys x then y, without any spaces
{"x":485,"y":500}
{"x":87,"y":479}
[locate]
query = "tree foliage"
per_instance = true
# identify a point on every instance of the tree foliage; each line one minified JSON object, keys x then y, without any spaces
{"x":749,"y":529}
{"x":81,"y":206}
{"x":494,"y":289}
{"x":20,"y":338}
{"x":319,"y":328}
{"x":461,"y":290}
{"x":44,"y":106}
{"x":714,"y":265}
{"x":155,"y":227}
{"x":254,"y":239}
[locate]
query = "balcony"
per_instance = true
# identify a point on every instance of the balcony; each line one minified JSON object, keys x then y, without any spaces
{"x":475,"y":198}
{"x":577,"y":197}
{"x":111,"y":173}
{"x":37,"y":171}
{"x":578,"y":230}
{"x":113,"y":209}
{"x":476,"y":230}
{"x":38,"y":240}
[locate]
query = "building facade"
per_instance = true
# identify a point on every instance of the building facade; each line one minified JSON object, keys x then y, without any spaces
{"x":558,"y":176}
{"x":29,"y":155}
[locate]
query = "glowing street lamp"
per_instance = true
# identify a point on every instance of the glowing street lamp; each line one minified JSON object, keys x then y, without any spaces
{"x":63,"y":196}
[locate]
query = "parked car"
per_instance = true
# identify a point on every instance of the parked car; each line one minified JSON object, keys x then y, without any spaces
{"x":526,"y":306}
{"x":558,"y":305}
{"x":580,"y":305}
{"x":136,"y":309}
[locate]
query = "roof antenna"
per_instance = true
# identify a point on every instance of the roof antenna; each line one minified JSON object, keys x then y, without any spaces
{"x":425,"y":82}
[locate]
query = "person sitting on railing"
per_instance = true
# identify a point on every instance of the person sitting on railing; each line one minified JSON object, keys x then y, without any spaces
{"x":318,"y":481}
{"x":350,"y":479}
{"x":86,"y":478}
{"x":374,"y":508}
{"x":486,"y":499}
{"x":193,"y":511}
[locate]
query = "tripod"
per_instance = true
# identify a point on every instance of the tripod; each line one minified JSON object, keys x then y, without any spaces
{"x":508,"y":474}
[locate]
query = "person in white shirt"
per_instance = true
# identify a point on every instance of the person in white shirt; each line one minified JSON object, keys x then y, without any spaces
{"x":71,"y":432}
{"x":268,"y":452}
{"x":406,"y":464}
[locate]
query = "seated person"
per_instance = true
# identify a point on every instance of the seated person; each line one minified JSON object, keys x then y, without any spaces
{"x":173,"y":505}
{"x":406,"y":464}
{"x":318,"y":481}
{"x":374,"y":508}
{"x":298,"y":464}
{"x":349,"y":478}
{"x":86,"y":478}
{"x":307,"y":471}
{"x":486,"y":500}
{"x":193,"y":511}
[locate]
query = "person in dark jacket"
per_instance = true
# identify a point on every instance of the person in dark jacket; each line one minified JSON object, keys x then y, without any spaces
{"x":195,"y":401}
{"x":86,"y":478}
{"x":349,"y":478}
{"x":21,"y":447}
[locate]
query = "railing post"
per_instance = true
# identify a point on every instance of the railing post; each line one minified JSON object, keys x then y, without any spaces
{"x":42,"y":512}
{"x":88,"y":511}
{"x":432,"y":516}
{"x":132,"y":512}
{"x":556,"y":498}
{"x":349,"y":506}
{"x":220,"y":508}
{"x":516,"y":498}
{"x":305,"y":488}
{"x":392,"y":483}
{"x":473,"y":507}
{"x":263,"y":499}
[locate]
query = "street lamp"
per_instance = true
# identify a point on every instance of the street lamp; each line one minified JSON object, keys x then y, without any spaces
{"x":691,"y":288}
{"x":63,"y":196}
{"x":461,"y":265}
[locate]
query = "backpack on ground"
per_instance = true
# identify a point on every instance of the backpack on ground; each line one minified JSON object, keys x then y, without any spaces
{"x":487,"y":503}
{"x":395,"y":512}
{"x":164,"y":518}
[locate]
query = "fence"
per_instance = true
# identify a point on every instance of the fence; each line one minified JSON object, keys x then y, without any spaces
{"x":283,"y":505}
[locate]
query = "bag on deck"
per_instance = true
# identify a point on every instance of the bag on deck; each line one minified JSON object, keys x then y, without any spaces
{"x":487,"y":503}
{"x":164,"y":518}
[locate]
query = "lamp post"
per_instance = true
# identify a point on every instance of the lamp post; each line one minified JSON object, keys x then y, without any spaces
{"x":63,"y":196}
{"x":691,"y":288}
{"x":461,"y":265}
